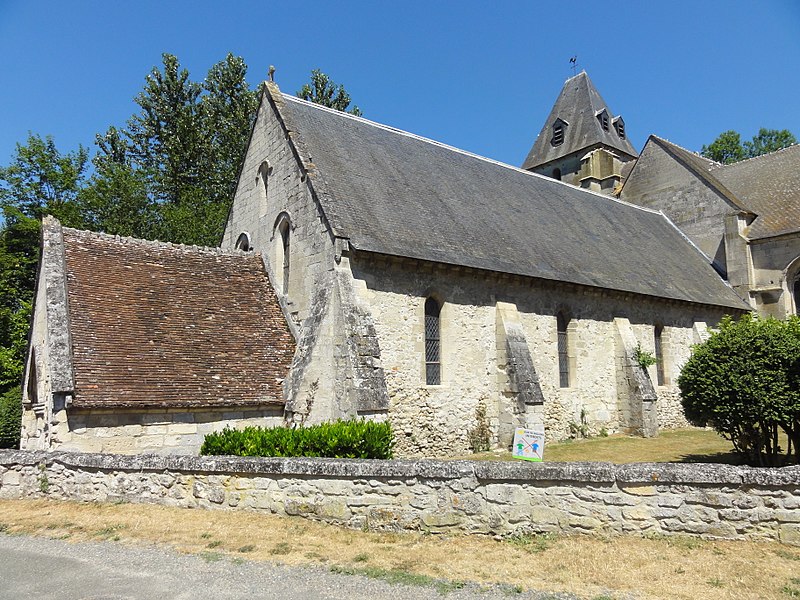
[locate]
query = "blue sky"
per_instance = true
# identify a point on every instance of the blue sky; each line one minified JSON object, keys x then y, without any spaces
{"x":481,"y":76}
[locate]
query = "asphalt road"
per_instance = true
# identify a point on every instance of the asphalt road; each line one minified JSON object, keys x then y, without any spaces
{"x":34,"y":568}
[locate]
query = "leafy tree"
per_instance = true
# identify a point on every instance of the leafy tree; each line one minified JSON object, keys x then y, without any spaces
{"x":117,"y":198}
{"x":41,"y":180}
{"x":728,"y":147}
{"x":745,"y":382}
{"x":323,"y":91}
{"x":176,"y":163}
{"x":768,"y":140}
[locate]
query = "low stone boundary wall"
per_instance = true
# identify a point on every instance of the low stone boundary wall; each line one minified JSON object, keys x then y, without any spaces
{"x":499,"y":498}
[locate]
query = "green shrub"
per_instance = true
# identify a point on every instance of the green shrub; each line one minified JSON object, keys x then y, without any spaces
{"x":745,"y":382}
{"x":341,"y":439}
{"x":10,"y":417}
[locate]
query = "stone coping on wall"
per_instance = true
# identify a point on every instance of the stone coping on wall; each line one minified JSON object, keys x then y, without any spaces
{"x":489,"y":471}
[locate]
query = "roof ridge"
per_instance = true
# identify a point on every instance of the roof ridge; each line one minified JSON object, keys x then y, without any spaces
{"x":768,"y":154}
{"x":697,"y":154}
{"x":460,"y":151}
{"x":134,"y":241}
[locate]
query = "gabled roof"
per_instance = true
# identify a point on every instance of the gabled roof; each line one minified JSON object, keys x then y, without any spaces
{"x":163,"y":325}
{"x":579,"y":104}
{"x":702,"y":167}
{"x":770,"y":186}
{"x":394,"y":193}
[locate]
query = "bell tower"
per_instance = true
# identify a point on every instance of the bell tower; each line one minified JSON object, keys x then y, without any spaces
{"x":582,"y":142}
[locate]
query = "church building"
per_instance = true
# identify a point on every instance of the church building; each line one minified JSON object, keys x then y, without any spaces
{"x":366,"y":272}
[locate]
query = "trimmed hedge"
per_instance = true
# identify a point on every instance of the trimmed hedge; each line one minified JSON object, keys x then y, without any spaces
{"x":10,"y":417}
{"x":341,"y":439}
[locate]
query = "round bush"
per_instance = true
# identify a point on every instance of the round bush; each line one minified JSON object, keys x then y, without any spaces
{"x":744,"y":381}
{"x":10,"y":418}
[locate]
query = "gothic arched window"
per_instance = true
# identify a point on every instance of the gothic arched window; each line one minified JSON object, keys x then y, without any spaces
{"x":433,"y":342}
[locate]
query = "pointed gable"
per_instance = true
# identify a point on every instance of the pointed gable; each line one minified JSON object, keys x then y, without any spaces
{"x":591,"y":124}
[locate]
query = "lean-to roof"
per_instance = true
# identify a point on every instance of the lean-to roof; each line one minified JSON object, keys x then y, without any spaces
{"x":162,"y":325}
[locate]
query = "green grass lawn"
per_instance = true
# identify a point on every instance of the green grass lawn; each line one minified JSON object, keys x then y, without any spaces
{"x":672,"y":445}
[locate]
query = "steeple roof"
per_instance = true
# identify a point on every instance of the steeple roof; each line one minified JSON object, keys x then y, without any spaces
{"x":579,"y":107}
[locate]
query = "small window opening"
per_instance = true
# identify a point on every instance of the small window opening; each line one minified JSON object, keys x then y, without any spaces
{"x":433,"y":347}
{"x":558,"y":134}
{"x":619,"y":125}
{"x":660,"y":379}
{"x":243,"y":242}
{"x":796,"y":294}
{"x":262,"y":183}
{"x":563,"y":356}
{"x":603,"y":116}
{"x":557,"y":174}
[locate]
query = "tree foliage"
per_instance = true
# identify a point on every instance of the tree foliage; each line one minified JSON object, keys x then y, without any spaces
{"x":745,"y":382}
{"x":322,"y":90}
{"x":728,"y":147}
{"x":168,"y":174}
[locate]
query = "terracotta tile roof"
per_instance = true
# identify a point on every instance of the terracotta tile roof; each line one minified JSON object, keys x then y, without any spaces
{"x":162,"y":325}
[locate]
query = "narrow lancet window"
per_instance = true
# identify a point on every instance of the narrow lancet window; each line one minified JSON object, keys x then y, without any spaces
{"x":563,"y":356}
{"x":659,"y":355}
{"x":433,"y":343}
{"x":285,"y":244}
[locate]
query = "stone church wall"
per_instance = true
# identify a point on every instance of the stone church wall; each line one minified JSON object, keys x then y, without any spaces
{"x":775,"y":268}
{"x":287,"y":191}
{"x":273,"y":155}
{"x":436,"y":420}
{"x":158,"y":431}
{"x":497,"y":498}
{"x":660,"y":182}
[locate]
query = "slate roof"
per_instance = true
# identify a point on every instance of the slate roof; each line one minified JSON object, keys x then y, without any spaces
{"x":395,"y":193}
{"x":162,"y":325}
{"x":769,"y":185}
{"x":578,"y":105}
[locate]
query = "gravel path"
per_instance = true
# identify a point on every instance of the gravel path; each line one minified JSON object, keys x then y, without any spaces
{"x":33,"y":568}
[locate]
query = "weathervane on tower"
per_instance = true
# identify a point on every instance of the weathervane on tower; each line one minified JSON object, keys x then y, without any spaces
{"x":574,"y":64}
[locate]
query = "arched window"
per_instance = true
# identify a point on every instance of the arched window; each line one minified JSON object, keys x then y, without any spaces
{"x":243,"y":242}
{"x":659,"y":330}
{"x":557,"y":174}
{"x":262,"y":183}
{"x":562,"y":323}
{"x":283,"y":229}
{"x":433,"y":342}
{"x":796,"y":294}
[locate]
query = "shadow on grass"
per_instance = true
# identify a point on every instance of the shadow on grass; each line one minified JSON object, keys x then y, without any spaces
{"x":724,"y":458}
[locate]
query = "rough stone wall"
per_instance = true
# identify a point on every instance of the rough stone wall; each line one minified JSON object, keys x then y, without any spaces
{"x":48,"y":378}
{"x":715,"y":501}
{"x":775,"y":266}
{"x":660,"y":182}
{"x":162,"y":431}
{"x":288,"y":191}
{"x":436,"y":420}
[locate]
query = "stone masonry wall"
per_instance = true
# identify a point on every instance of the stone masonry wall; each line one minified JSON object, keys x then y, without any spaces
{"x":162,"y":431}
{"x":436,"y":420}
{"x":498,"y":498}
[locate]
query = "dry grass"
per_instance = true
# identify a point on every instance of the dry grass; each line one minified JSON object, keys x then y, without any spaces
{"x":673,"y":445}
{"x":591,"y":567}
